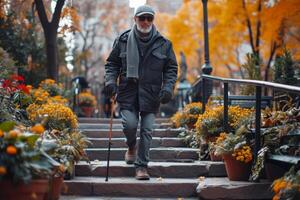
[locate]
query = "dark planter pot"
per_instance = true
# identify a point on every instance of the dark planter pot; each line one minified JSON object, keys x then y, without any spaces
{"x":274,"y":171}
{"x":55,"y":186}
{"x":35,"y":190}
{"x":236,"y":170}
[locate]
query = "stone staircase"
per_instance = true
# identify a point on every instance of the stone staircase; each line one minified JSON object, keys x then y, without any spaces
{"x":176,"y":172}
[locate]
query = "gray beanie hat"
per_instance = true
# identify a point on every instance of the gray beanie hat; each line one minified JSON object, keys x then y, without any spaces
{"x":144,"y":9}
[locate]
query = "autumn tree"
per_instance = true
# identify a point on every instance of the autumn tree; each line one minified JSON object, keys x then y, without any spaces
{"x":101,"y":23}
{"x":236,"y":26}
{"x":20,"y":37}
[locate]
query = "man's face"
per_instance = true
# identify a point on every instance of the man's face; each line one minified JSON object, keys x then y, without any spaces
{"x":144,"y":23}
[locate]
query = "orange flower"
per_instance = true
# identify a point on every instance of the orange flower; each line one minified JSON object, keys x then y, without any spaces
{"x":29,"y":87}
{"x":276,"y":197}
{"x":61,"y":168}
{"x":13,"y":133}
{"x":2,"y":170}
{"x":11,"y":150}
{"x":1,"y":133}
{"x":38,"y":128}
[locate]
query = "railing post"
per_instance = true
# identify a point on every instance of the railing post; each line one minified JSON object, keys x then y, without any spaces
{"x":226,"y":128}
{"x":257,"y":119}
{"x":203,"y":95}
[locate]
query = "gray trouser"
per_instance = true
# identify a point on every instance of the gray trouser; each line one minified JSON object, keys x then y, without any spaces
{"x":130,"y":121}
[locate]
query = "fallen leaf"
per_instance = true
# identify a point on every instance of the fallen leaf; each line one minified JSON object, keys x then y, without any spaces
{"x":201,"y":178}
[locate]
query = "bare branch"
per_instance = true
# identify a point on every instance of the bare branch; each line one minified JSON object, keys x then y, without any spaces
{"x":249,"y":26}
{"x":258,"y":26}
{"x":42,"y":14}
{"x":57,"y":13}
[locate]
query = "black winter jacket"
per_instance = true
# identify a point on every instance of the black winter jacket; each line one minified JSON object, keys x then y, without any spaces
{"x":157,"y":71}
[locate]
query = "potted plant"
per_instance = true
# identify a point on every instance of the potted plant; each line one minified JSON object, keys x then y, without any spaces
{"x":24,"y":168}
{"x":212,"y":148}
{"x":87,"y":103}
{"x":278,"y":131}
{"x":288,"y":186}
{"x":237,"y":154}
{"x":210,"y":124}
{"x":69,"y":148}
{"x":188,"y":116}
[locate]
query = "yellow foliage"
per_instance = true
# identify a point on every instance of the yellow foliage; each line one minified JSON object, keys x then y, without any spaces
{"x":230,"y":23}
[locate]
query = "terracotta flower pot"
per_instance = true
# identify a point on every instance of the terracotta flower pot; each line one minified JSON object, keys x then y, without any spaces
{"x":87,"y":110}
{"x":236,"y":170}
{"x":35,"y":190}
{"x":55,"y":185}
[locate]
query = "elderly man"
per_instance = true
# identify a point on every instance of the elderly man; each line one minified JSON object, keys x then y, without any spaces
{"x":142,"y":70}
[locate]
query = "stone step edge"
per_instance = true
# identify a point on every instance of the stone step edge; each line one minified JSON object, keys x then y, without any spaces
{"x":123,"y":138}
{"x":66,"y":197}
{"x":151,"y":149}
{"x":121,"y":142}
{"x":129,"y":187}
{"x":156,"y":169}
{"x":223,"y":188}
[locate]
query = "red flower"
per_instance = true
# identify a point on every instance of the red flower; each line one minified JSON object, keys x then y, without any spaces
{"x":17,"y":77}
{"x":6,"y":84}
{"x":23,"y":88}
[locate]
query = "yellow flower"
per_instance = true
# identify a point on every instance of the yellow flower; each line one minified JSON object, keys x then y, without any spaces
{"x":38,"y":128}
{"x":40,"y":96}
{"x":3,"y":170}
{"x":87,"y":99}
{"x":56,"y":114}
{"x":243,"y":154}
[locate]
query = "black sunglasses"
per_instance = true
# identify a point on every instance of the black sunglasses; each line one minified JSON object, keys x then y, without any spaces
{"x":143,"y":18}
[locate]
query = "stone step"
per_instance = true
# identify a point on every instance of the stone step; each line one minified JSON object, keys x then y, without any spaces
{"x":222,"y":188}
{"x":64,"y":197}
{"x":121,"y":142}
{"x":118,"y":133}
{"x":116,"y":126}
{"x":159,"y":154}
{"x":129,"y":187}
{"x":107,"y":120}
{"x":155,"y":169}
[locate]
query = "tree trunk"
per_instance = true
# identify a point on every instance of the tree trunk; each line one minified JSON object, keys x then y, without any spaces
{"x":52,"y":57}
{"x":50,"y":32}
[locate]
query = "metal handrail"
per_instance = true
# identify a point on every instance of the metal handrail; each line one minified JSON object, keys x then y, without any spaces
{"x":278,"y":86}
{"x":258,"y":98}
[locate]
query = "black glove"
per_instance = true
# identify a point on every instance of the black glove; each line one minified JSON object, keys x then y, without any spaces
{"x":110,"y":89}
{"x":165,"y":96}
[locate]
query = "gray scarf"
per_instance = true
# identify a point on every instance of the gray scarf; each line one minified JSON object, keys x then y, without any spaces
{"x":132,"y":48}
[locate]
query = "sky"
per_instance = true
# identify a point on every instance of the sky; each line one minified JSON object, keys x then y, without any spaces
{"x":136,"y":3}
